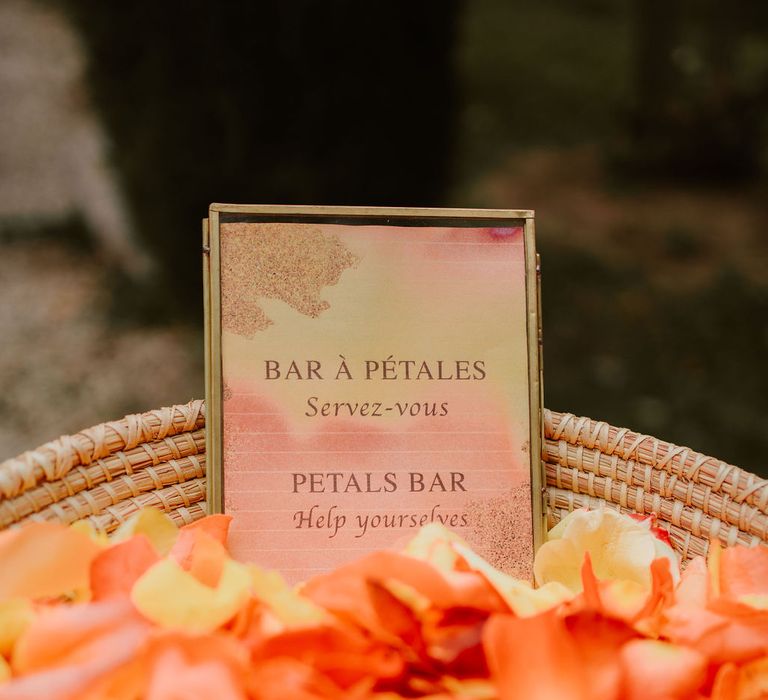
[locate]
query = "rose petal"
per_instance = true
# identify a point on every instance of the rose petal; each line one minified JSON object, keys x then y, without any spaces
{"x":723,"y":632}
{"x":172,"y":597}
{"x":117,"y":568}
{"x":156,"y":525}
{"x":693,"y":588}
{"x":656,"y":670}
{"x":217,"y":526}
{"x":621,"y":548}
{"x":550,"y":658}
{"x":744,"y":572}
{"x":338,"y":590}
{"x":519,"y":595}
{"x":200,"y":554}
{"x":175,"y":678}
{"x":58,"y":634}
{"x":289,"y":606}
{"x":68,"y":649}
{"x":335,"y":652}
{"x":16,"y":615}
{"x":753,"y":680}
{"x":288,"y":678}
{"x":45,"y":560}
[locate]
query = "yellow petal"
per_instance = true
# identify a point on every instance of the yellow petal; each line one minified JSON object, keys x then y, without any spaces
{"x":434,"y":543}
{"x":172,"y":597}
{"x":620,"y":547}
{"x":289,"y":606}
{"x":15,"y":616}
{"x":521,"y":597}
{"x":86,"y":528}
{"x":755,"y":600}
{"x":656,"y":670}
{"x":157,"y":526}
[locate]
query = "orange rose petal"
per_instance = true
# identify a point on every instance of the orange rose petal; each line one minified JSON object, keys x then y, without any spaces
{"x":520,"y":596}
{"x":526,"y":670}
{"x":725,"y":686}
{"x":45,"y":560}
{"x":201,"y":554}
{"x":454,"y":642}
{"x":443,"y":589}
{"x":548,"y":658}
{"x":72,"y":664}
{"x":480,"y":688}
{"x":57,"y":635}
{"x":598,"y":641}
{"x":174,"y":678}
{"x":217,"y":526}
{"x":725,"y":631}
{"x":655,"y":670}
{"x":662,"y":591}
{"x":65,"y":683}
{"x":337,"y":653}
{"x":753,"y":680}
{"x":117,"y":568}
{"x":744,"y":571}
{"x":126,"y":682}
{"x":693,"y":588}
{"x":291,"y":679}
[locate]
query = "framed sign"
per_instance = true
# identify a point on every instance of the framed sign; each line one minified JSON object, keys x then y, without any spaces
{"x":369,"y":371}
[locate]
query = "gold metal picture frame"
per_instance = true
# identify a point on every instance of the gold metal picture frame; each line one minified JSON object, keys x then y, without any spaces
{"x":220,"y":214}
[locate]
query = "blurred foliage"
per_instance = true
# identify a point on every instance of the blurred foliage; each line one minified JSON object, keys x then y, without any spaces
{"x":304,"y":102}
{"x":687,"y":367}
{"x":671,"y":89}
{"x":540,"y":73}
{"x":698,"y":107}
{"x":398,"y":103}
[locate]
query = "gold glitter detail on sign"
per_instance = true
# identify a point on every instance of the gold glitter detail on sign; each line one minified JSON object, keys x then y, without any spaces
{"x":289,"y":262}
{"x":503,"y":526}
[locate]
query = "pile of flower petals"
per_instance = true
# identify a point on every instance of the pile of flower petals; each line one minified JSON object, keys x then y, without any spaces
{"x":164,"y":613}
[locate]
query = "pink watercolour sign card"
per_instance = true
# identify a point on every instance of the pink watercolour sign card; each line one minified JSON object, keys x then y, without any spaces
{"x":371,"y":371}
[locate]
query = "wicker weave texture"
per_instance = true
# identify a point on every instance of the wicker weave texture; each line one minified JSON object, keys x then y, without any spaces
{"x":698,"y":498}
{"x":106,"y":473}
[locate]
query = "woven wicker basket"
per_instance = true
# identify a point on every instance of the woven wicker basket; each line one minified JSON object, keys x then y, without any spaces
{"x":108,"y":472}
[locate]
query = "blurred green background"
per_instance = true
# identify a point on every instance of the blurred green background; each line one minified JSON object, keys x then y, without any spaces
{"x":638,"y":130}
